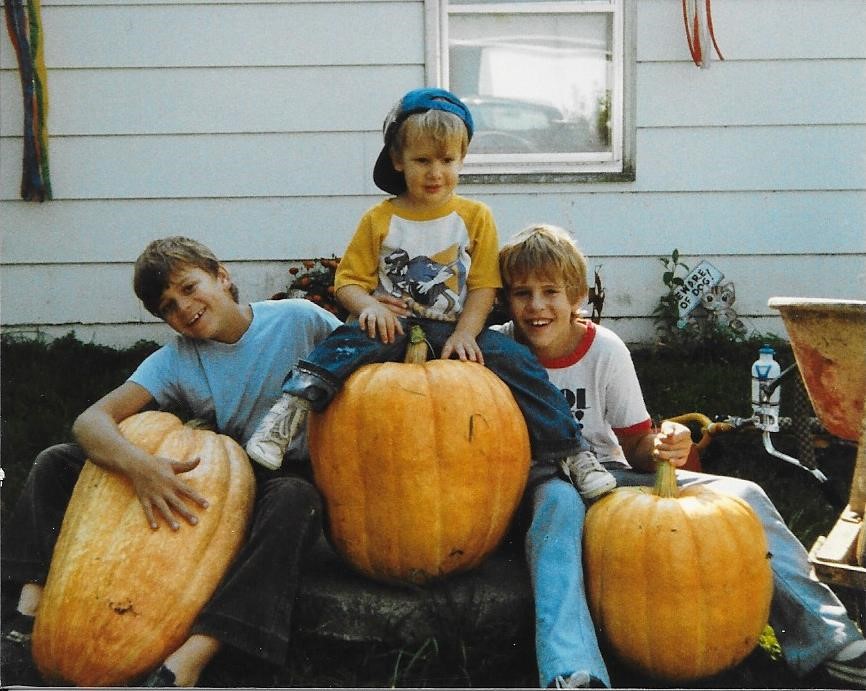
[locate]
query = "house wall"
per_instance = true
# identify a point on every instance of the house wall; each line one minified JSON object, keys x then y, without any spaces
{"x":252,"y":126}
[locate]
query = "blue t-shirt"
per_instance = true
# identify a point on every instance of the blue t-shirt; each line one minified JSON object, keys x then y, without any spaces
{"x":235,"y":384}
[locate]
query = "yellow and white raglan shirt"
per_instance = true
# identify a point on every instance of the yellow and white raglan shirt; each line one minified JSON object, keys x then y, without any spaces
{"x":433,"y":259}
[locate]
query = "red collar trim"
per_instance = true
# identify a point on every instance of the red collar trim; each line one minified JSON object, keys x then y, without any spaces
{"x":575,"y":356}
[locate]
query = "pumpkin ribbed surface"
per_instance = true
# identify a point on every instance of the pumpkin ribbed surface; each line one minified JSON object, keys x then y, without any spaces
{"x":120,"y":596}
{"x":680,"y":587}
{"x":421,"y":467}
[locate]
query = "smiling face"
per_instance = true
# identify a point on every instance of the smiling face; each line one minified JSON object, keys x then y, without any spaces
{"x":545,"y":317}
{"x":200,"y":305}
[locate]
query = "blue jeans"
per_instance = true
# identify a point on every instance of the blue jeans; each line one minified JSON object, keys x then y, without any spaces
{"x":553,"y":431}
{"x":809,"y":621}
{"x":565,"y":639}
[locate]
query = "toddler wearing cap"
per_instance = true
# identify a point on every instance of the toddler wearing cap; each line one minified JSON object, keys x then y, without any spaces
{"x":428,"y":255}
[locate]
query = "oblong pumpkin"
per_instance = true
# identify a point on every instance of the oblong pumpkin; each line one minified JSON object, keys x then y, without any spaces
{"x":421,"y":467}
{"x":678,"y":586}
{"x":120,"y":596}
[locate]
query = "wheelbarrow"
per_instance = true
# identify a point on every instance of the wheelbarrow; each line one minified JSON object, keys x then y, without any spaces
{"x":828,"y":338}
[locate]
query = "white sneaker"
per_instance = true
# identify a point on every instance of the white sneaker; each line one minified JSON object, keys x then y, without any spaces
{"x":588,"y":475}
{"x":281,"y":425}
{"x":578,"y":680}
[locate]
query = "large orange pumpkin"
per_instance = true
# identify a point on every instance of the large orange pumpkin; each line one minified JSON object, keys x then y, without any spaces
{"x":120,"y":596}
{"x":679,"y":582}
{"x":421,"y":466}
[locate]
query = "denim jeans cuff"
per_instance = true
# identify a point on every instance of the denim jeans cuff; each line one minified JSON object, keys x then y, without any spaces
{"x":540,"y":472}
{"x":313,"y":383}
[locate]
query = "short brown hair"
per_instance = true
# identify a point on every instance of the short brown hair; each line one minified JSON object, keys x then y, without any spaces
{"x":439,"y":125}
{"x":548,"y":251}
{"x":162,"y":258}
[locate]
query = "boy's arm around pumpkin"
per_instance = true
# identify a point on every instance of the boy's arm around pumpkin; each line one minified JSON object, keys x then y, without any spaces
{"x":154,"y":479}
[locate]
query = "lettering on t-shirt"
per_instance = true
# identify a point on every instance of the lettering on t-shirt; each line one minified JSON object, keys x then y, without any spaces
{"x":576,"y":399}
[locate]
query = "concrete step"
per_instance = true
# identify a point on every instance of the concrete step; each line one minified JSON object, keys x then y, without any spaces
{"x":336,"y":602}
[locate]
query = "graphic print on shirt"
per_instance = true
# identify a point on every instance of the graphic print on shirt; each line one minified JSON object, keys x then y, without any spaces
{"x":427,"y":280}
{"x":576,"y":399}
{"x":427,"y":261}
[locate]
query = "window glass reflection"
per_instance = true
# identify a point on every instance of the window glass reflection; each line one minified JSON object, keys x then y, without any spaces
{"x":536,"y":83}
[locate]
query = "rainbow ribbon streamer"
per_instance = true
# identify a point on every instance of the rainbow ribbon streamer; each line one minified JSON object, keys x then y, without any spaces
{"x":24,"y":22}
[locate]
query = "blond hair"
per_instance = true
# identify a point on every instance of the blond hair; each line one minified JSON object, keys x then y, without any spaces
{"x":442,"y":127}
{"x":161,"y":259}
{"x":546,"y":251}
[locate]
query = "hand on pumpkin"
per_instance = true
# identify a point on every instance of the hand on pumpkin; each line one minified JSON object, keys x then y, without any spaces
{"x":672,"y":443}
{"x":463,"y":345}
{"x":162,"y":493}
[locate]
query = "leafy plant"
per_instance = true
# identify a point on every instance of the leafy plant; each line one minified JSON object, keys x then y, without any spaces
{"x":693,"y":333}
{"x":313,"y":279}
{"x":666,"y":315}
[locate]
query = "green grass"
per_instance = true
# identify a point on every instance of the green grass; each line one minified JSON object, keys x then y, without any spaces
{"x":46,"y":384}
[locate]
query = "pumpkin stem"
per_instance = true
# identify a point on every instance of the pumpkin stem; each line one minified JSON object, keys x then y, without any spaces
{"x":416,"y":349}
{"x":666,"y":480}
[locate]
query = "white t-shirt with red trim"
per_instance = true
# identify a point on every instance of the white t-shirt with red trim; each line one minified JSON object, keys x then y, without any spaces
{"x":602,"y":389}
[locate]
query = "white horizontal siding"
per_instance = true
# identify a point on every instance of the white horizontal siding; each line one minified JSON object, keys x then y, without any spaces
{"x":290,"y":99}
{"x":236,"y":165}
{"x":606,"y":224}
{"x":217,"y":100}
{"x":192,"y":34}
{"x":695,"y":159}
{"x":252,"y":126}
{"x":758,"y":93}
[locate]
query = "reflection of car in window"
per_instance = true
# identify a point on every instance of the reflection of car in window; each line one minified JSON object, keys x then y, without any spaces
{"x":507,"y":125}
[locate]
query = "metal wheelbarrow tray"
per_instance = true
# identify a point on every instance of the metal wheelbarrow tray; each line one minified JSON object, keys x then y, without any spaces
{"x":828,"y":338}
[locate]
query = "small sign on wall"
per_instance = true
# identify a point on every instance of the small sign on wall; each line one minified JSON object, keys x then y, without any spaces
{"x":700,"y":279}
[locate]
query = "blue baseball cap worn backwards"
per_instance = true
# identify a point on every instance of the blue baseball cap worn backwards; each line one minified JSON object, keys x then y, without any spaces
{"x":416,"y":101}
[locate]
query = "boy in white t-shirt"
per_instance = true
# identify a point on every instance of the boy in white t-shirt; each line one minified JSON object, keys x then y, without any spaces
{"x":545,"y":285}
{"x":435,"y":253}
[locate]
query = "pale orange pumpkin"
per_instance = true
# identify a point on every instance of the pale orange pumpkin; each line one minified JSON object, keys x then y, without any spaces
{"x":421,"y":466}
{"x":678,"y":582}
{"x":120,"y":596}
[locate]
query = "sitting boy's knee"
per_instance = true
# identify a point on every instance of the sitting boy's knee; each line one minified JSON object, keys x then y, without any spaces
{"x":557,"y":498}
{"x":58,"y":459}
{"x":750,"y":492}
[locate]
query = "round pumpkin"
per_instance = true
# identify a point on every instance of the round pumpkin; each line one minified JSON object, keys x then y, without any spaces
{"x":121,"y":596}
{"x":421,"y":466}
{"x":678,"y":582}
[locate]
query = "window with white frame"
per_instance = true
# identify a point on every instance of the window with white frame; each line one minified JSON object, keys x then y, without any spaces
{"x":545,"y":81}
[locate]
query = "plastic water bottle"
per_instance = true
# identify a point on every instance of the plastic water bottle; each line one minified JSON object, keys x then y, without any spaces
{"x":765,"y":370}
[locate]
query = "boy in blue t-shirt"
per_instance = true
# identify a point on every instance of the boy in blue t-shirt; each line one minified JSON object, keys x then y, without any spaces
{"x":431,"y":256}
{"x":225,"y":365}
